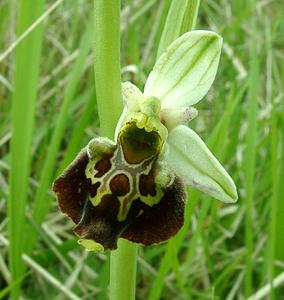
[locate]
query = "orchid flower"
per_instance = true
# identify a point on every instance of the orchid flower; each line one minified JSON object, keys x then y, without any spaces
{"x":134,"y":187}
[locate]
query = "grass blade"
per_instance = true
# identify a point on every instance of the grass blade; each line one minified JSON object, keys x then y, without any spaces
{"x":191,"y":13}
{"x":42,"y":201}
{"x":250,"y":157}
{"x":172,"y":28}
{"x":23,"y":110}
{"x":181,"y":18}
{"x":75,"y":143}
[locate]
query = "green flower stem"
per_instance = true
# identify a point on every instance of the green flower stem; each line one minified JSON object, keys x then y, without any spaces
{"x":123,"y":271}
{"x":107,"y":64}
{"x":108,"y":90}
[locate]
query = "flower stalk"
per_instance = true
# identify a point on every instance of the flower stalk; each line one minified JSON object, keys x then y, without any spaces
{"x":108,"y":90}
{"x":123,"y":271}
{"x":107,"y":64}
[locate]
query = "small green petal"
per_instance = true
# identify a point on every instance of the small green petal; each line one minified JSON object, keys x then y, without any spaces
{"x":192,"y":160}
{"x":173,"y":117}
{"x":186,"y":70}
{"x":131,"y":96}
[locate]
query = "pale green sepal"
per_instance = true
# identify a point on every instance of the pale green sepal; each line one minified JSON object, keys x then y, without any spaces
{"x":195,"y":164}
{"x":186,"y":70}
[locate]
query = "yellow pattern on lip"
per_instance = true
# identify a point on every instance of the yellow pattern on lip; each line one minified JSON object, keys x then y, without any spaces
{"x":91,"y":245}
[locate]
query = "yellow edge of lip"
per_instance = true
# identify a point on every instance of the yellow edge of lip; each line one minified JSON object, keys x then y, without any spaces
{"x":91,"y":245}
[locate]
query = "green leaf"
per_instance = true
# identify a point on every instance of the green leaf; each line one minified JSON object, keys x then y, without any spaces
{"x":27,"y":65}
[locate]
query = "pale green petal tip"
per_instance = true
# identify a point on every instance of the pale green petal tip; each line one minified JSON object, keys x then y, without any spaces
{"x":91,"y":245}
{"x":231,"y":194}
{"x":203,"y":34}
{"x":235,"y":196}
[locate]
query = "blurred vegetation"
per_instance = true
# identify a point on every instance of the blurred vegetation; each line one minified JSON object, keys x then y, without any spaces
{"x":223,"y":251}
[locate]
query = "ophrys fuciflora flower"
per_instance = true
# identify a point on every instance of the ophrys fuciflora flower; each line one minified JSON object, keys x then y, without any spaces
{"x":134,"y":187}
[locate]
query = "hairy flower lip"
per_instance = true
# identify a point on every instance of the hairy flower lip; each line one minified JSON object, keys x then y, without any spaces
{"x":99,"y":223}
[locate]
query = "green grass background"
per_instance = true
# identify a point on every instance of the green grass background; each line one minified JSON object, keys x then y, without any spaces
{"x":48,"y":112}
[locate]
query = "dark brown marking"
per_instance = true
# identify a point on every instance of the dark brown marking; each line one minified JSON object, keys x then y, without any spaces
{"x":103,"y":166}
{"x":100,"y":223}
{"x":161,"y":221}
{"x":119,"y":185}
{"x":93,"y":188}
{"x":71,"y":187}
{"x":147,"y":184}
{"x":154,"y":225}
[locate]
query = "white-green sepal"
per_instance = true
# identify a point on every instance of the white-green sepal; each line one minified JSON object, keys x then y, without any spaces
{"x":186,"y":70}
{"x":190,"y":158}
